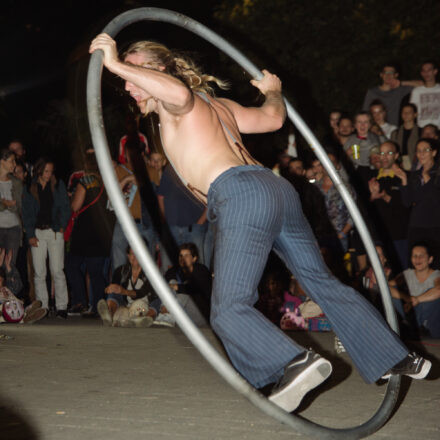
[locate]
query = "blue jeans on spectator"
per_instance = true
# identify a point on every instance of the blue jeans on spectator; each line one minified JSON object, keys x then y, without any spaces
{"x":256,"y":211}
{"x":426,"y":314}
{"x":75,"y":273}
{"x":184,"y":234}
{"x":120,"y":243}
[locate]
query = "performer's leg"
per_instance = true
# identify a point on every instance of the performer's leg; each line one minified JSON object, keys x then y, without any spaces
{"x":371,"y":344}
{"x":247,"y":210}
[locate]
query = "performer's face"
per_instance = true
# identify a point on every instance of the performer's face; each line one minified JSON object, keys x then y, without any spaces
{"x":144,"y":100}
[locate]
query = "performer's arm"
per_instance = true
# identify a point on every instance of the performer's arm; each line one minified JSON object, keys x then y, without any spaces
{"x":268,"y":117}
{"x":174,"y":95}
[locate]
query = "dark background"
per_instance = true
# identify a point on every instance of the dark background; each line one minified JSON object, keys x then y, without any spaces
{"x":327,"y":54}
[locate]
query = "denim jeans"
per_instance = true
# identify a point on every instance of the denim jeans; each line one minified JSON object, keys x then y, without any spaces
{"x":120,"y":243}
{"x":256,"y":211}
{"x":426,"y":314}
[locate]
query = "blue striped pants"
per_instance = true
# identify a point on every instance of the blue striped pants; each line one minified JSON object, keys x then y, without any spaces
{"x":255,"y":212}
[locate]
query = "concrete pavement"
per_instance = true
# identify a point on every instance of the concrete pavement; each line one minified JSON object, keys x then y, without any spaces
{"x":74,"y":379}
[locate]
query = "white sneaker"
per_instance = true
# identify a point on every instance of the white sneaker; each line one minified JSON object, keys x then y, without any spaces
{"x":165,"y":320}
{"x":104,"y":313}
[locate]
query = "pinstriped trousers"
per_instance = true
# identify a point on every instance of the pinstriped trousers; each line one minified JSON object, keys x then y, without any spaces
{"x":255,"y":212}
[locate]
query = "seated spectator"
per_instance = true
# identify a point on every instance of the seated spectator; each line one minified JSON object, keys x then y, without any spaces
{"x":430,"y":131}
{"x":192,"y":282}
{"x":388,"y":207}
{"x":271,"y":297}
{"x":418,"y":290}
{"x":379,"y":114}
{"x":421,"y":192}
{"x":46,"y":212}
{"x":10,"y":285}
{"x":407,"y":135}
{"x":11,"y":190}
{"x":129,"y":284}
{"x":345,"y":129}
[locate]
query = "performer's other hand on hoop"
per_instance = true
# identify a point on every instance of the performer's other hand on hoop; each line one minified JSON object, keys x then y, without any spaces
{"x":108,"y":46}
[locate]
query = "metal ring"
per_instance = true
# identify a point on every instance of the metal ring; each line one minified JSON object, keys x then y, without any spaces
{"x":217,"y":361}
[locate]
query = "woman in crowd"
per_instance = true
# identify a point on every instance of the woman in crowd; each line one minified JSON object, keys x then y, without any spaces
{"x":90,"y":239}
{"x":11,"y":190}
{"x":418,"y":290}
{"x":421,"y":191}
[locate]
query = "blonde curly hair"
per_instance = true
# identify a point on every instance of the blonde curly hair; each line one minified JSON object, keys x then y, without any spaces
{"x":180,"y":67}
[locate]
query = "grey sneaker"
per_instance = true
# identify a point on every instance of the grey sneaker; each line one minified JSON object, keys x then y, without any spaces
{"x":34,"y":315}
{"x":104,"y":313}
{"x":413,"y":366}
{"x":302,"y":374}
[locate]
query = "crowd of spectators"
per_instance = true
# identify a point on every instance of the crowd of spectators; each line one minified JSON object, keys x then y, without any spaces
{"x":385,"y":154}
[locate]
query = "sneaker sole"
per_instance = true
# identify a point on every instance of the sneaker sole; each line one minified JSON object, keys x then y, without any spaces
{"x":163,"y":324}
{"x":35,"y":316}
{"x":290,"y":396}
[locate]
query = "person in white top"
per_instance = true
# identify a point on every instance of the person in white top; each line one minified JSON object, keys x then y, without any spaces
{"x":427,"y":97}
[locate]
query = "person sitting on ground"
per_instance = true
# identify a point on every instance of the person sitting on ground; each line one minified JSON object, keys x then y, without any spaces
{"x":192,"y":282}
{"x":418,"y":290}
{"x":129,"y":283}
{"x":10,"y":285}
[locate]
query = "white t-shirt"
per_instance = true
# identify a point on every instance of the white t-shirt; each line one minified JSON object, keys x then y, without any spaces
{"x":8,"y":219}
{"x":427,"y":100}
{"x":387,"y":129}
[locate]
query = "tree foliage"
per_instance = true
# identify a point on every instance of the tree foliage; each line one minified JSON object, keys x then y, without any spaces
{"x":329,"y":53}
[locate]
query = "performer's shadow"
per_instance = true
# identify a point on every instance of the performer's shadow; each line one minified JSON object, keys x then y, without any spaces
{"x":14,"y":425}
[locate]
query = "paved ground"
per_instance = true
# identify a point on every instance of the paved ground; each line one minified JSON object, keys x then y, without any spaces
{"x":77,"y":380}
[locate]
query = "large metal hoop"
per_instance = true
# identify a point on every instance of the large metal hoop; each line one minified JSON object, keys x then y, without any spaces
{"x":192,"y":332}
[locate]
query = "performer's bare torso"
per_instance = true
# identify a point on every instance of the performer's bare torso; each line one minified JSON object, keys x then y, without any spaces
{"x":196,"y":143}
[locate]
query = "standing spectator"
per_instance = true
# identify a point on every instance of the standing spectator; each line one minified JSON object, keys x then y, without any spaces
{"x":90,"y":240}
{"x":183,"y":214}
{"x":391,"y":92}
{"x":336,"y":209}
{"x":392,"y":214}
{"x":11,"y":190}
{"x":422,"y":191}
{"x":132,"y":125}
{"x":17,"y":147}
{"x":345,"y":129}
{"x":427,"y":97}
{"x":379,"y":114}
{"x":430,"y":131}
{"x":296,"y":166}
{"x":46,"y":212}
{"x":407,"y":136}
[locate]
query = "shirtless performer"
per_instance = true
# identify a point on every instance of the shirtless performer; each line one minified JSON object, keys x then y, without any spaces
{"x":255,"y":211}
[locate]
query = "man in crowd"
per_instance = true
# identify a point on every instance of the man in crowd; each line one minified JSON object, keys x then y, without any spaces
{"x":427,"y":97}
{"x":391,"y":214}
{"x":391,"y":92}
{"x":255,"y":211}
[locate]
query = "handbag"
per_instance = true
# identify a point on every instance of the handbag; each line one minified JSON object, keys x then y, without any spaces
{"x":74,"y":215}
